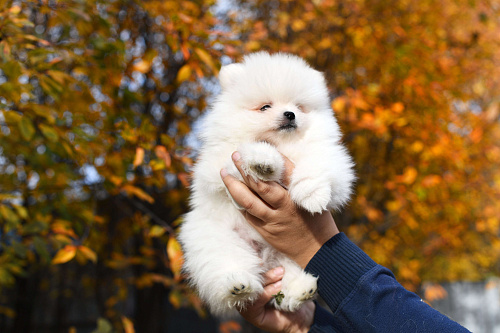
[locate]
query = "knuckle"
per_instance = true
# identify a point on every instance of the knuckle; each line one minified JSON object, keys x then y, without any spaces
{"x":282,"y":196}
{"x":263,"y":188}
{"x":269,"y":215}
{"x":248,"y":205}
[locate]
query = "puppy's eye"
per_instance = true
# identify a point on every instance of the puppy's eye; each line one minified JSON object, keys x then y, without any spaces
{"x":265,"y":107}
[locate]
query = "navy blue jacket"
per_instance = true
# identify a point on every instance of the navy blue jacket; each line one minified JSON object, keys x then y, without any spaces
{"x":365,"y":297}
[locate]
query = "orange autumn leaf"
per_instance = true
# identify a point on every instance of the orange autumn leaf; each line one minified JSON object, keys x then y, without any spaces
{"x":128,"y":325}
{"x":434,"y":292}
{"x":87,"y":253}
{"x":139,"y":193}
{"x":230,"y":327}
{"x":139,"y":157}
{"x":162,"y":153}
{"x":184,"y":178}
{"x":64,"y":255}
{"x":175,"y":256}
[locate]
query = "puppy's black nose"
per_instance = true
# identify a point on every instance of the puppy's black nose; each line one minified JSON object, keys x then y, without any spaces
{"x":289,"y":115}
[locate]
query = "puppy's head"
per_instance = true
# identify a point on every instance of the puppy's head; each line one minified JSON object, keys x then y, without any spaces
{"x":271,"y":96}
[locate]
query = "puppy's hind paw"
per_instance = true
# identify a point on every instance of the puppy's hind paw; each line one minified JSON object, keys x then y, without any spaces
{"x":241,"y":288}
{"x":296,"y":293}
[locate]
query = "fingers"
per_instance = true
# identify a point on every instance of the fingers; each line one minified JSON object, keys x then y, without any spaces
{"x":255,"y":312}
{"x":273,"y":275}
{"x":272,"y":193}
{"x":244,"y":196}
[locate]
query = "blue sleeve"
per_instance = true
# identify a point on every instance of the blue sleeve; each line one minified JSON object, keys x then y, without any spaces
{"x":365,"y":297}
{"x":322,"y":321}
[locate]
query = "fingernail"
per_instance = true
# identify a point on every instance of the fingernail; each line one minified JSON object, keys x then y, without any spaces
{"x":236,"y":156}
{"x":279,"y":271}
{"x":223,"y":172}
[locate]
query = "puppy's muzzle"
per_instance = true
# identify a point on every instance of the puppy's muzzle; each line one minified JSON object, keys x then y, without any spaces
{"x":288,"y":124}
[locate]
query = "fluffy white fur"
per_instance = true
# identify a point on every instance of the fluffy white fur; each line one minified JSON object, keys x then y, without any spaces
{"x":224,"y":256}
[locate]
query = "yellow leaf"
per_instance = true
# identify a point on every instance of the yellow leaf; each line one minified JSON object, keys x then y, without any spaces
{"x":298,"y":25}
{"x":139,"y":157}
{"x":21,"y":211}
{"x":64,"y":255}
{"x":409,"y":175}
{"x":252,"y":45}
{"x":174,"y":253}
{"x":175,"y":298}
{"x":184,"y":73}
{"x":88,"y":253}
{"x":206,"y":58}
{"x":156,"y":231}
{"x":58,"y":76}
{"x":132,"y":190}
{"x":49,"y":133}
{"x":142,"y":66}
{"x":15,"y":9}
{"x":128,"y":326}
{"x":393,"y":205}
{"x":417,"y":146}
{"x":26,"y":127}
{"x":338,"y":104}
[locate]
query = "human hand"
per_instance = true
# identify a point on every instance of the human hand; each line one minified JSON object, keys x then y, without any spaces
{"x":269,"y":208}
{"x":268,"y":318}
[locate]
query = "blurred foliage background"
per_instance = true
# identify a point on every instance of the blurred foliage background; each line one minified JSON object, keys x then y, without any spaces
{"x":97,"y":105}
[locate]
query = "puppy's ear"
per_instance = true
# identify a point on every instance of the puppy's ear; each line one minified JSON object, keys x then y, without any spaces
{"x":228,"y":75}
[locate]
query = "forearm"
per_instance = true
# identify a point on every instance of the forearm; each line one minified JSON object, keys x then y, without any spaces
{"x":365,"y":297}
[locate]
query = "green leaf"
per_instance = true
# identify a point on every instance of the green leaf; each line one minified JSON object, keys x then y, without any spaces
{"x":41,"y":248}
{"x":49,"y":133}
{"x":206,"y":58}
{"x":103,"y":326}
{"x":26,"y":127}
{"x":21,"y":211}
{"x":156,"y":231}
{"x":12,"y":116}
{"x":12,"y":70}
{"x":10,"y":217}
{"x":6,"y":278}
{"x":19,"y":249}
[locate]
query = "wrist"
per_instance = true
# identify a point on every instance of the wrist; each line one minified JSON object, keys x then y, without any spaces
{"x":320,"y":229}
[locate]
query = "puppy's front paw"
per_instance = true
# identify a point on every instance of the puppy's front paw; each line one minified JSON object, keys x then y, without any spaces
{"x":311,"y":194}
{"x":261,"y":161}
{"x":296,"y":293}
{"x":263,"y":170}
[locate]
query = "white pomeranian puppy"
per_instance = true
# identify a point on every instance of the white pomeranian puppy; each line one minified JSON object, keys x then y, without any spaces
{"x":269,"y":104}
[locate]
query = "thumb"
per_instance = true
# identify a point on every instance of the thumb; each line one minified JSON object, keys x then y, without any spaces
{"x":256,"y":312}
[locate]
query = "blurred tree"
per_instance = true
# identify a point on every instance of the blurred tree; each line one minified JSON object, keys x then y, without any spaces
{"x":415,"y":86}
{"x":97,"y":103}
{"x":97,"y":100}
